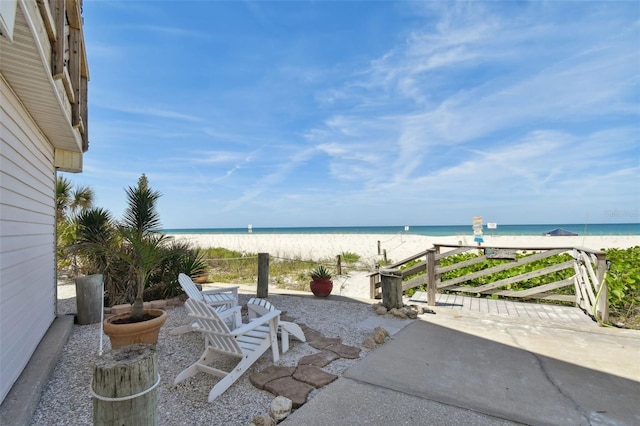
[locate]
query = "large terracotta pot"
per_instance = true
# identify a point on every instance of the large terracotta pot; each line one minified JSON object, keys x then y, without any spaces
{"x":321,"y":287}
{"x":136,"y":332}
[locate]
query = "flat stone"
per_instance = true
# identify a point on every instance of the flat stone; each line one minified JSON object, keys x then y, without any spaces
{"x":311,"y":334}
{"x":269,"y":374}
{"x":290,"y":388}
{"x":314,"y":376}
{"x":323,"y":342}
{"x":320,"y":359}
{"x":305,"y":327}
{"x":344,"y":351}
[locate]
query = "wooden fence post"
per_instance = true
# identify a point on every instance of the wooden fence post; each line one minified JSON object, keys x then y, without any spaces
{"x":338,"y":265}
{"x":602,"y":304}
{"x":432,"y":286}
{"x":263,"y":276}
{"x":124,"y":387}
{"x":391,"y":280}
{"x":379,"y":252}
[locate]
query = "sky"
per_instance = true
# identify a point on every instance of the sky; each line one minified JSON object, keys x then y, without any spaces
{"x":365,"y":113}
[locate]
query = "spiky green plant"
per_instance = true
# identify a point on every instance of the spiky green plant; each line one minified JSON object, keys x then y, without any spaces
{"x":320,"y":273}
{"x":142,"y":242}
{"x":127,"y":252}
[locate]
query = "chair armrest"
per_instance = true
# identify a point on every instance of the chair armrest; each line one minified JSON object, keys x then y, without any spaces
{"x":256,"y":323}
{"x":233,"y":290}
{"x":228,"y":312}
{"x":221,"y":296}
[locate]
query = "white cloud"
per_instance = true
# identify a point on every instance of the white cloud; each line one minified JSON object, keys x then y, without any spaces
{"x":512,"y":107}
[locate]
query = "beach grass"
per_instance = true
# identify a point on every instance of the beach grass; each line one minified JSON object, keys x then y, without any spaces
{"x":291,"y":273}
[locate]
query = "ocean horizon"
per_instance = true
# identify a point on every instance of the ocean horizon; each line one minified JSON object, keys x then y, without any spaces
{"x":434,"y":231}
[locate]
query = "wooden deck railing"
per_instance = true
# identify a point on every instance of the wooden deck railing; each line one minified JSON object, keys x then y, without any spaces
{"x":590,"y":292}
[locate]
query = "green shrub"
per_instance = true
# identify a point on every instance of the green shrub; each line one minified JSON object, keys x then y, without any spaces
{"x":623,"y":284}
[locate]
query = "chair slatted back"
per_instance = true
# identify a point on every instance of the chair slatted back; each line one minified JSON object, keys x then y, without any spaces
{"x":189,"y":287}
{"x":213,"y":327}
{"x":259,"y":307}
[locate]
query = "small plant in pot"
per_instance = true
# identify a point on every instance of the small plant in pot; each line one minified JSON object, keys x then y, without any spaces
{"x":321,"y":284}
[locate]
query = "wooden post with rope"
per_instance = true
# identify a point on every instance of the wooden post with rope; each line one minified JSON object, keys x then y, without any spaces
{"x":124,"y":387}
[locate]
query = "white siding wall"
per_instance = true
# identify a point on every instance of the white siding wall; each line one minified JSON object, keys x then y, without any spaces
{"x":27,"y":237}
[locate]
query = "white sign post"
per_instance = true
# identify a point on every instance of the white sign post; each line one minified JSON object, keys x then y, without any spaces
{"x":477,"y":230}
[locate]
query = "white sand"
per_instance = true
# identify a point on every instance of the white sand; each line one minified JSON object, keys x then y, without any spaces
{"x":397,"y":246}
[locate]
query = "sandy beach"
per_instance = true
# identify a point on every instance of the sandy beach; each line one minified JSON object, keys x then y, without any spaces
{"x":397,"y":246}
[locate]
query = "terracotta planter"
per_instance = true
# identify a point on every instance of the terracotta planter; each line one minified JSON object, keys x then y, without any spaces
{"x":321,"y":287}
{"x":136,"y":332}
{"x":201,"y":279}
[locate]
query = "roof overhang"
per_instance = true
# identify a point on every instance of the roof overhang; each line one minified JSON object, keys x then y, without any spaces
{"x":25,"y":66}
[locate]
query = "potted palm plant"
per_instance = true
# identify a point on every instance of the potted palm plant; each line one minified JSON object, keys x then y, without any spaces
{"x":132,"y":249}
{"x":321,"y":284}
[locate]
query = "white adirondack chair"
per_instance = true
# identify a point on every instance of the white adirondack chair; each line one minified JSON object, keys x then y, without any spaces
{"x":227,"y":296}
{"x":223,"y":300}
{"x":247,"y":342}
{"x":258,"y":307}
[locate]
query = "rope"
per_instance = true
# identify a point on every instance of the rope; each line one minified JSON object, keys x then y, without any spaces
{"x":292,"y":260}
{"x":232,"y":258}
{"x":123,"y":398}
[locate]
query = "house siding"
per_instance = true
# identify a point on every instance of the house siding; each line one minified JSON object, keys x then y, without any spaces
{"x":27,"y":237}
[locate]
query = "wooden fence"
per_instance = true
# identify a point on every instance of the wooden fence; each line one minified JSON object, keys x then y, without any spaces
{"x":588,"y":266}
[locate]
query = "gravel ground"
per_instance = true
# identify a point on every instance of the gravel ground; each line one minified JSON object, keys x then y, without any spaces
{"x":66,"y":399}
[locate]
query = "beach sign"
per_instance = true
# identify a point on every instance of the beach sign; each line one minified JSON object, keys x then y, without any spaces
{"x":477,"y":229}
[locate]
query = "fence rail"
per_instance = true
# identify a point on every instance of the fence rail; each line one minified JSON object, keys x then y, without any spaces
{"x":588,"y":266}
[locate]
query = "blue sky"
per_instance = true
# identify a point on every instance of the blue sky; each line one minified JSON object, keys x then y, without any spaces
{"x":334,"y":113}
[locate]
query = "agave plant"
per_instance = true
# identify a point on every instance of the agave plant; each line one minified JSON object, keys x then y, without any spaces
{"x":180,"y":257}
{"x":320,"y":273}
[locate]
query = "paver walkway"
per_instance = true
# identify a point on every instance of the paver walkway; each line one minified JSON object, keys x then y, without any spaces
{"x":561,"y":314}
{"x":297,"y":382}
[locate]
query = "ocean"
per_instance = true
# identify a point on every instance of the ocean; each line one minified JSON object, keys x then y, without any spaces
{"x":434,"y":231}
